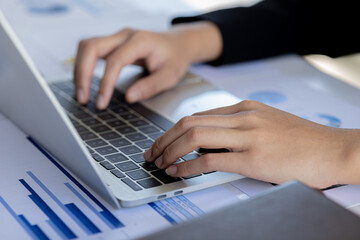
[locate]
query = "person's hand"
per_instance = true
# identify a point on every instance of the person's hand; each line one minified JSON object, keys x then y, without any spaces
{"x":165,"y":56}
{"x":266,"y":144}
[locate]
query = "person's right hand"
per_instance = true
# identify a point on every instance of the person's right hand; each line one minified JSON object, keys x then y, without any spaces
{"x":166,"y":57}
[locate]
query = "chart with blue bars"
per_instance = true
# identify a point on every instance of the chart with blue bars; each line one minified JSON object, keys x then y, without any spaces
{"x":42,"y":200}
{"x":54,"y":221}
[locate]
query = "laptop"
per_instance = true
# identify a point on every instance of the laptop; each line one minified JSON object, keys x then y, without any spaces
{"x":102,"y":148}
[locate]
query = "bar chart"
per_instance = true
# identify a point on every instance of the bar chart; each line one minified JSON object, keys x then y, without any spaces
{"x":40,"y":199}
{"x":63,"y":230}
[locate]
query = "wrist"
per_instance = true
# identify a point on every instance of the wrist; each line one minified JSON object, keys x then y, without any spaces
{"x":198,"y":41}
{"x":350,"y":167}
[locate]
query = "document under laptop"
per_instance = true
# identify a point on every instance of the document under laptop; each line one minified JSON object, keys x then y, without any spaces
{"x":103,"y":148}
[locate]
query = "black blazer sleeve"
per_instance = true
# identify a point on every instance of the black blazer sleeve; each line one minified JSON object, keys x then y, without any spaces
{"x":275,"y":27}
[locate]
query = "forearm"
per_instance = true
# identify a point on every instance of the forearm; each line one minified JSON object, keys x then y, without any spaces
{"x":200,"y":41}
{"x":275,"y":27}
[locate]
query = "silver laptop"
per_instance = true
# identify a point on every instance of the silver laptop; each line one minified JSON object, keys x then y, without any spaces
{"x":102,"y":148}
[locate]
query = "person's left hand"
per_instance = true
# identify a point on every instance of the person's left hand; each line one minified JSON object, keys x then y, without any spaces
{"x":266,"y":144}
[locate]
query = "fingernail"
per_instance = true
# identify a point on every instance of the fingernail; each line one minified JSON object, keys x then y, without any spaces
{"x":80,"y":95}
{"x":159,"y":162}
{"x":171,"y":170}
{"x":147,"y":154}
{"x":100,"y":102}
{"x":134,"y":95}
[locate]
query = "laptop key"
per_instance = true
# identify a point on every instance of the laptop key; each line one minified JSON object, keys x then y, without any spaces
{"x":110,"y":135}
{"x":107,"y":165}
{"x":149,"y":183}
{"x":121,"y":142}
{"x":129,"y":116}
{"x":90,"y":150}
{"x":138,"y":158}
{"x":131,"y":184}
{"x":100,"y":128}
{"x":136,"y":137}
{"x":163,"y":177}
{"x":139,"y":123}
{"x":116,"y":158}
{"x":130,"y":150}
{"x":190,"y":156}
{"x":127,"y":166}
{"x":81,"y":115}
{"x":96,"y":143}
{"x":80,"y":128}
{"x":117,"y":173}
{"x":87,"y":135}
{"x":106,"y":150}
{"x":97,"y":157}
{"x":125,"y":130}
{"x":149,"y":129}
{"x":145,"y":144}
{"x":116,"y":123}
{"x":106,"y":116}
{"x":91,"y":122}
{"x":138,"y":174}
{"x":155,"y":135}
{"x":149,"y":166}
{"x":192,"y":176}
{"x":119,"y":109}
{"x":72,"y":108}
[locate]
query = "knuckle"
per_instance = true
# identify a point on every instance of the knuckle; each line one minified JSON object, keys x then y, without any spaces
{"x":195,"y":135}
{"x":186,"y":122}
{"x":141,"y":35}
{"x":87,"y":43}
{"x":247,"y":104}
{"x":126,"y":31}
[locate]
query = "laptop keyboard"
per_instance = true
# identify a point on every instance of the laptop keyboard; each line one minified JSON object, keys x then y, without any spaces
{"x":117,"y":137}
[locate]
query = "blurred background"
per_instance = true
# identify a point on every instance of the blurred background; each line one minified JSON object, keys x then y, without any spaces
{"x":51,"y":29}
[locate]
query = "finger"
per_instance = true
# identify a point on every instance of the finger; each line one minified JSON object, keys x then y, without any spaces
{"x":245,"y":105}
{"x":189,"y":122}
{"x":151,"y":85}
{"x":202,"y":137}
{"x":126,"y":54}
{"x":224,"y":162}
{"x":89,"y":51}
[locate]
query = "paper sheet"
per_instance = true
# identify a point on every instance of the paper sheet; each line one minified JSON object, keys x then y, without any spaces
{"x":39,"y":198}
{"x":291,"y":84}
{"x":51,"y":30}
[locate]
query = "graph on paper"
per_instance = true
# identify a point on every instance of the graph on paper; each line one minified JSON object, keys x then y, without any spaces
{"x":63,"y":230}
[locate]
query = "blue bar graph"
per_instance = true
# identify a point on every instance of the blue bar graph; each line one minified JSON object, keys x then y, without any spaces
{"x":162,"y":213}
{"x":105,"y":214}
{"x":178,"y":207}
{"x":174,"y":217}
{"x":48,"y":211}
{"x":74,"y":212}
{"x":33,"y":230}
{"x":83,"y":219}
{"x":191,"y":204}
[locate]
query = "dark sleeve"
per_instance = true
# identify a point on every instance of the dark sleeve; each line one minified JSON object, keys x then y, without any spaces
{"x":275,"y":27}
